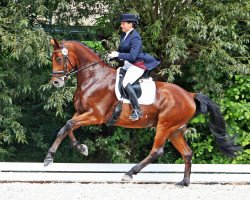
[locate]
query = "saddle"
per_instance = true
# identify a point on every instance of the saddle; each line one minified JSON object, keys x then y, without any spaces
{"x":145,"y":90}
{"x":144,"y":87}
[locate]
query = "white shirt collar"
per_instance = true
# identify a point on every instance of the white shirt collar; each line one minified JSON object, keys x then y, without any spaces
{"x":128,"y":33}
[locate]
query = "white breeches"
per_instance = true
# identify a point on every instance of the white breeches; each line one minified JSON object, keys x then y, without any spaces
{"x":132,"y":74}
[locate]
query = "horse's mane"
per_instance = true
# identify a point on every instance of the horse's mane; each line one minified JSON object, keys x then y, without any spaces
{"x":83,"y":45}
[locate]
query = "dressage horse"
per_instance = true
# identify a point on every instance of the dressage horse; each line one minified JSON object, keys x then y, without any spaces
{"x":95,"y":100}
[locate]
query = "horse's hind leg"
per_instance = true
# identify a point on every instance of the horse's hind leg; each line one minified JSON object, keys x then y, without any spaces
{"x":157,"y":150}
{"x":180,"y":144}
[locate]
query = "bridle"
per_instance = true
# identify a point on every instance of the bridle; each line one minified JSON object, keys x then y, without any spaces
{"x":66,"y":60}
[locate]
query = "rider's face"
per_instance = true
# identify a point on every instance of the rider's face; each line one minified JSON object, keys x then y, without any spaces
{"x":126,"y":26}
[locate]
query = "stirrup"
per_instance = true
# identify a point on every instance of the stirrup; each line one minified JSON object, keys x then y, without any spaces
{"x":136,"y":115}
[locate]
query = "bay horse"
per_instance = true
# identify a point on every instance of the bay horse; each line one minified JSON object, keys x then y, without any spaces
{"x":95,"y":99}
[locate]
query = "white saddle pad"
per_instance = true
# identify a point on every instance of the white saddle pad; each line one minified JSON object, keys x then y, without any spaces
{"x":148,"y":89}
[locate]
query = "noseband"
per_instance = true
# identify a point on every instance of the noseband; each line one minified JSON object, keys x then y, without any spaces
{"x":66,"y":60}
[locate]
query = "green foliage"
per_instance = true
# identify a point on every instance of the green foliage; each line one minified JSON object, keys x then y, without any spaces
{"x":114,"y":147}
{"x":217,"y":43}
{"x":236,"y":106}
{"x":23,"y":53}
{"x":118,"y":147}
{"x":60,"y":98}
{"x":95,"y":45}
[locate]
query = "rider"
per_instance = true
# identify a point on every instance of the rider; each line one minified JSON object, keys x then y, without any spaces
{"x":135,"y":61}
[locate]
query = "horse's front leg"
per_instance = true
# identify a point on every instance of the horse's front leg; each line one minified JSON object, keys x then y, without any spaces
{"x":72,"y":124}
{"x":82,"y":148}
{"x":52,"y":150}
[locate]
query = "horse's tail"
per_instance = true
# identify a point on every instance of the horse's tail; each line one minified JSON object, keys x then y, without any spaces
{"x":217,"y":125}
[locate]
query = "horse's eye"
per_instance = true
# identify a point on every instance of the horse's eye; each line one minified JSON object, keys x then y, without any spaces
{"x":58,"y":59}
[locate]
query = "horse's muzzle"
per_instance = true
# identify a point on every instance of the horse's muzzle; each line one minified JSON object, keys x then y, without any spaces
{"x":57,"y":82}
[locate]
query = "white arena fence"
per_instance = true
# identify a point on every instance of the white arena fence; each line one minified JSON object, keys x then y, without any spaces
{"x":113,"y":173}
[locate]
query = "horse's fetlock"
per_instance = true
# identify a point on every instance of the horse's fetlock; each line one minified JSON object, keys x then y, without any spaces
{"x":51,"y":152}
{"x":136,"y":169}
{"x":75,"y":143}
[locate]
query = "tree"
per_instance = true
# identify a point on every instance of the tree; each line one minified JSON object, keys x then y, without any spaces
{"x":23,"y":54}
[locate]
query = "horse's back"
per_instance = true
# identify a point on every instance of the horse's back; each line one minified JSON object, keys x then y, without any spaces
{"x":173,"y":89}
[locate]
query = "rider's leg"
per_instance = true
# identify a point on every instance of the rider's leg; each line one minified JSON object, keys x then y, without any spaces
{"x":132,"y":74}
{"x":136,"y":112}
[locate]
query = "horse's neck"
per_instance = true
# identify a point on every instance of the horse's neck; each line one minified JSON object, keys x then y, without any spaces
{"x":88,"y":71}
{"x":88,"y":58}
{"x":97,"y":73}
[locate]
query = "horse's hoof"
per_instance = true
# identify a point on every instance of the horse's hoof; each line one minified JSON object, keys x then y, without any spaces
{"x":183,"y":183}
{"x":48,"y":161}
{"x":127,"y":177}
{"x":83,"y":149}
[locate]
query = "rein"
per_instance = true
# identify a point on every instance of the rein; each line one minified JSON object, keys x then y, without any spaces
{"x":85,"y":67}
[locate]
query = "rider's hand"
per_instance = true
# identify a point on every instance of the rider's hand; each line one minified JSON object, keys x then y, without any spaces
{"x":113,"y":54}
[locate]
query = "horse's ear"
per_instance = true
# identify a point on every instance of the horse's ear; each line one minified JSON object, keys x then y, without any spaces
{"x":104,"y":43}
{"x":54,"y":43}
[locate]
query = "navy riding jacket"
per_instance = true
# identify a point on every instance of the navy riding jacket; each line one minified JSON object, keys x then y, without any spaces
{"x":131,"y":50}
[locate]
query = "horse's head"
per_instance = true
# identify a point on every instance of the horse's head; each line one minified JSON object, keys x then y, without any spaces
{"x":63,"y":63}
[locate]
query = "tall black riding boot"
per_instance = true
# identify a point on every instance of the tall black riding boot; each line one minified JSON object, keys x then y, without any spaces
{"x":136,"y":113}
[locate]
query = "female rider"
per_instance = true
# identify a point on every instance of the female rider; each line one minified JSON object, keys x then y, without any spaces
{"x":135,"y":61}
